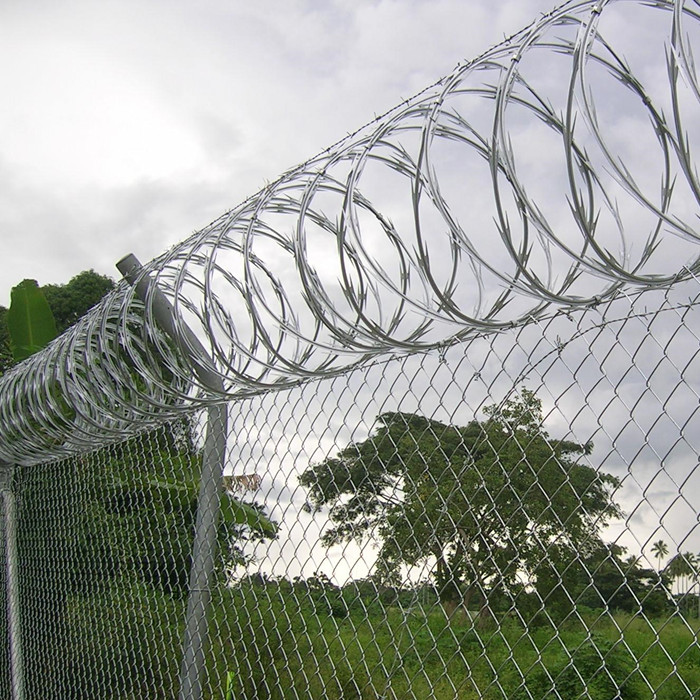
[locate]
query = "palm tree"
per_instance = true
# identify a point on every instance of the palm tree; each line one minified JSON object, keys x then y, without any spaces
{"x":659,"y":549}
{"x":682,"y":566}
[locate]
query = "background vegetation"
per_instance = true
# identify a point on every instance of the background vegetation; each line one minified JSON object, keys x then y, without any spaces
{"x":105,"y":539}
{"x":313,"y":639}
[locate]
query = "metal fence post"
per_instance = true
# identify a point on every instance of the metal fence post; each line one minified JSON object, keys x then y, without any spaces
{"x":213,"y":459}
{"x":203,"y":554}
{"x":14,"y":628}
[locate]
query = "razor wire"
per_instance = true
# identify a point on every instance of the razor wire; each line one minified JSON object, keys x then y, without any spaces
{"x":417,"y":231}
{"x":424,"y":265}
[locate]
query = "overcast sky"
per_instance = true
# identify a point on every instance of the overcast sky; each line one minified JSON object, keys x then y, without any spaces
{"x":128,"y":125}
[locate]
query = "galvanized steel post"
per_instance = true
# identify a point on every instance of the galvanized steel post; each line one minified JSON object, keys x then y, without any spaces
{"x":14,"y":627}
{"x":213,"y":457}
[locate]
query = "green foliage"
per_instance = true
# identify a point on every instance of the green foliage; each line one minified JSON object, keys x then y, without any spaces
{"x":26,"y":328}
{"x":105,"y":540}
{"x":595,"y":669}
{"x":111,"y":633}
{"x":41,"y":313}
{"x":659,"y":549}
{"x":238,"y":513}
{"x":6,"y":358}
{"x":74,"y":299}
{"x":487,"y":501}
{"x":321,"y":595}
{"x":47,"y":552}
{"x":597,"y":578}
{"x":105,"y":545}
{"x":282,"y":647}
{"x":140,"y":520}
{"x":30,"y":323}
{"x":683,"y":565}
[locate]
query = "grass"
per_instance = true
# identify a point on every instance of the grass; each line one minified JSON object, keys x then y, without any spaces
{"x":280,"y":646}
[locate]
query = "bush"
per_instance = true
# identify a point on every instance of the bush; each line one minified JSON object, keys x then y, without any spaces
{"x":123,"y":642}
{"x":321,"y":595}
{"x":597,"y":669}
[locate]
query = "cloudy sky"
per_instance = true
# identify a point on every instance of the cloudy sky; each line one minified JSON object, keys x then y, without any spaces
{"x":128,"y":125}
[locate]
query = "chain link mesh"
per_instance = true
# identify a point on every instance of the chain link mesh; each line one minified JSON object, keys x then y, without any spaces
{"x":104,"y":539}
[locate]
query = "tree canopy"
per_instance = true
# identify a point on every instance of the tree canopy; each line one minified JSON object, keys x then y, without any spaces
{"x":72,"y":300}
{"x":487,"y":502}
{"x":67,"y":302}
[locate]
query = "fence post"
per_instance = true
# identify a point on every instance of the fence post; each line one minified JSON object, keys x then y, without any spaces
{"x":213,"y":458}
{"x":14,"y":628}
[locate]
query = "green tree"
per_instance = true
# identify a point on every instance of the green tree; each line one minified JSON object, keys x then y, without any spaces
{"x":682,"y":566}
{"x":6,"y":360}
{"x":138,"y":518}
{"x":610,"y":580}
{"x":72,"y":300}
{"x":659,"y":549}
{"x":487,"y":502}
{"x":30,"y":323}
{"x":66,"y":302}
{"x":95,"y":529}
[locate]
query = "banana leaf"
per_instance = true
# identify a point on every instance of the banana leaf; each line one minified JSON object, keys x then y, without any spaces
{"x":30,"y":323}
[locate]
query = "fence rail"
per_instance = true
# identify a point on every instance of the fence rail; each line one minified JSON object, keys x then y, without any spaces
{"x":455,"y":364}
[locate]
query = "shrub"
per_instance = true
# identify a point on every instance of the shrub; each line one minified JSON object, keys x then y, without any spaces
{"x":597,"y":669}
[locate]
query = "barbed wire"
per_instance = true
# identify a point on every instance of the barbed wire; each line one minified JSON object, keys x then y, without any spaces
{"x":550,"y":173}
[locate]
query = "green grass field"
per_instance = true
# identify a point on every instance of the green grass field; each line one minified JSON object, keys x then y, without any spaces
{"x":282,"y":646}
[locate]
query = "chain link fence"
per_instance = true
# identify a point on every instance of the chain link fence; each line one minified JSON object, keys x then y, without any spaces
{"x":515,"y":516}
{"x":420,"y":419}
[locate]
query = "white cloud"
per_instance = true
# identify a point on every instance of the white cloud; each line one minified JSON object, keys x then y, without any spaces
{"x":197,"y":105}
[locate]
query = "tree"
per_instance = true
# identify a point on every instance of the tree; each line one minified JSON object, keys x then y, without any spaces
{"x":5,"y":351}
{"x":659,"y":549}
{"x":66,"y":303}
{"x":72,"y":300}
{"x":684,"y":568}
{"x":620,"y":583}
{"x":486,"y":502}
{"x":30,"y":323}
